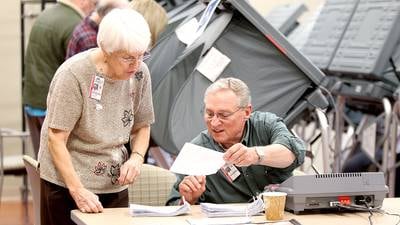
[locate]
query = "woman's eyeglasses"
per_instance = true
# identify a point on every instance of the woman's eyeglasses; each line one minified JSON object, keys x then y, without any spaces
{"x":133,"y":59}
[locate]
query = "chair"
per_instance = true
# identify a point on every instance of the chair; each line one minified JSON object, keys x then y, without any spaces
{"x":13,"y":164}
{"x":152,"y":187}
{"x":32,"y":169}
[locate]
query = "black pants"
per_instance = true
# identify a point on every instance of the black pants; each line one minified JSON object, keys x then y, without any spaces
{"x":56,"y":203}
{"x":35,"y":124}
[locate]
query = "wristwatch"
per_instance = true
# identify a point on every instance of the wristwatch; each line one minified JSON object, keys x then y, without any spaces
{"x":260,"y":153}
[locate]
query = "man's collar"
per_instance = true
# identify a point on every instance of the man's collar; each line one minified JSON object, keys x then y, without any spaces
{"x":73,"y":6}
{"x":246,"y":132}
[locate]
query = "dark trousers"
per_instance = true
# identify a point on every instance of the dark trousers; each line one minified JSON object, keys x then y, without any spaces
{"x":56,"y":203}
{"x":35,"y":125}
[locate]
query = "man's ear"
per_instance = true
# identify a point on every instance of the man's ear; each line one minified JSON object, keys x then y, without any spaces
{"x":248,"y":110}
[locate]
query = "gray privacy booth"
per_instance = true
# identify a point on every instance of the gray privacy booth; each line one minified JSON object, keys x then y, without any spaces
{"x":281,"y":79}
{"x":354,"y":42}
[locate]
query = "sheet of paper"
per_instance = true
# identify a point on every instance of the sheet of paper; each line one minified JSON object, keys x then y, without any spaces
{"x":233,"y":210}
{"x":157,"y":211}
{"x":213,"y":64}
{"x":197,"y":160}
{"x":187,"y":33}
{"x":190,"y":31}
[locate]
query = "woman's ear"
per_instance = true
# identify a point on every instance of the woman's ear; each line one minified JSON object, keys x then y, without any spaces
{"x":106,"y":55}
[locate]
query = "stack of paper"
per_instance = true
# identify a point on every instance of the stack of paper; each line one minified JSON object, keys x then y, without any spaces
{"x":230,"y":210}
{"x":145,"y":210}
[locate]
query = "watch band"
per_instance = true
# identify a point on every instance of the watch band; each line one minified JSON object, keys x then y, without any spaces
{"x":260,"y":151}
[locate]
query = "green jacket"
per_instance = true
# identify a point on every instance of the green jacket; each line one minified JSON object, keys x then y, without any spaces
{"x":261,"y":129}
{"x":47,"y":46}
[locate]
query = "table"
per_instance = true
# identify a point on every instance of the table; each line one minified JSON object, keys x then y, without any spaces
{"x":120,"y":216}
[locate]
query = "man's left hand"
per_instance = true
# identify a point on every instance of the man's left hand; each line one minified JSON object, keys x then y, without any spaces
{"x":130,"y":170}
{"x":241,"y":155}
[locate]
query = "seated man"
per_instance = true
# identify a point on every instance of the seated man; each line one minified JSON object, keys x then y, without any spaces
{"x":258,"y":148}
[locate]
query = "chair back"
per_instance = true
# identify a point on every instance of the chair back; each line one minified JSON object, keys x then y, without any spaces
{"x":152,"y":187}
{"x":32,"y":169}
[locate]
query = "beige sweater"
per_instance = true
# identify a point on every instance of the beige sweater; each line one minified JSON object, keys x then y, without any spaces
{"x":99,"y":129}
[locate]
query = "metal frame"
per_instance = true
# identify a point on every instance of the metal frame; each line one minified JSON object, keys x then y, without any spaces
{"x":9,"y":133}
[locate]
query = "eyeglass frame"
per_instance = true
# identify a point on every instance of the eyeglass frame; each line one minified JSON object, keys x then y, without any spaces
{"x":131,"y":59}
{"x":220,"y":116}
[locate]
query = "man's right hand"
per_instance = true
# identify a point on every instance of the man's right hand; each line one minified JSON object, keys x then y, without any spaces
{"x":192,"y":187}
{"x":86,"y":201}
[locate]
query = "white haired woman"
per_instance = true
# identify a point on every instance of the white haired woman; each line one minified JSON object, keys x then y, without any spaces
{"x":98,"y":100}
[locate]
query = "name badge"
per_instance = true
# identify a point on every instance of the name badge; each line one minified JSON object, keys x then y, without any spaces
{"x":230,"y":172}
{"x":96,"y":87}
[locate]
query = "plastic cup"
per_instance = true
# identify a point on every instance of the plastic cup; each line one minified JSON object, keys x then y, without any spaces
{"x":274,"y":205}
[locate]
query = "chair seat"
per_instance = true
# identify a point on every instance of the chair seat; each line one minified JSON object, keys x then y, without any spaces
{"x":6,"y":132}
{"x":13,"y":164}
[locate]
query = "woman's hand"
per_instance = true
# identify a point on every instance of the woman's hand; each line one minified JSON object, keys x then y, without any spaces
{"x":130,"y":170}
{"x":86,"y":201}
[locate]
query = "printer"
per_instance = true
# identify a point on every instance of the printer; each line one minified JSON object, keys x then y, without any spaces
{"x":334,"y":190}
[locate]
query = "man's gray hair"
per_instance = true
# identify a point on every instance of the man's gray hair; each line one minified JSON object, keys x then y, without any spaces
{"x":238,"y":87}
{"x":123,"y":30}
{"x":105,"y":6}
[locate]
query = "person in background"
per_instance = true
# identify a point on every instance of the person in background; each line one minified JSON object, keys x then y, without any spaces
{"x":84,"y":35}
{"x":47,"y":46}
{"x":258,"y":148}
{"x":98,"y":100}
{"x":155,"y":15}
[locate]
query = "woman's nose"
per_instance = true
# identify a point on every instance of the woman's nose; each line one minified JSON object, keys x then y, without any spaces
{"x":135,"y":64}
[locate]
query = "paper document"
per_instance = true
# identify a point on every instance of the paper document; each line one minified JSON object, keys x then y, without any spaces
{"x":213,"y":64}
{"x":191,"y":30}
{"x":197,"y":160}
{"x":187,"y":33}
{"x":157,"y":211}
{"x":231,"y":210}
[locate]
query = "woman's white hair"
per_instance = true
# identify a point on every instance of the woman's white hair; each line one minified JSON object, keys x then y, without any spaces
{"x":123,"y":30}
{"x":238,"y":87}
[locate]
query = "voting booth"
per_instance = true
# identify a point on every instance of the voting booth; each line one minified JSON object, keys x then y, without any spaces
{"x":281,"y":79}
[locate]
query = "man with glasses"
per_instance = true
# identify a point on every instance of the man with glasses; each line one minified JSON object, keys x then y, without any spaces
{"x":258,"y":148}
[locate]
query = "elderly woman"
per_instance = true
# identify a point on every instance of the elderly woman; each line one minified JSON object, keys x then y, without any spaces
{"x":98,"y":99}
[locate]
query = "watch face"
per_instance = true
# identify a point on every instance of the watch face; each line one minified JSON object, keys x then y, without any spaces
{"x":260,"y":152}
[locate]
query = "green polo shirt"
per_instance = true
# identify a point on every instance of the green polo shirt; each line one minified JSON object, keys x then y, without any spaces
{"x":261,"y":129}
{"x":46,"y":51}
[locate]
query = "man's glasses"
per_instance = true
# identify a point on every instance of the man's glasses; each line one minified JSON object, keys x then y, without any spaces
{"x":220,"y":115}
